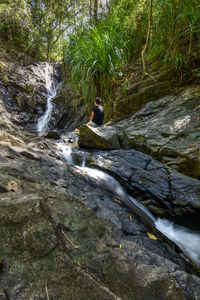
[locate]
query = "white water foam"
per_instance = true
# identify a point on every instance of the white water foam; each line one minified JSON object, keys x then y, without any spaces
{"x":187,"y":240}
{"x":66,"y":153}
{"x":109,"y":182}
{"x":51,"y":87}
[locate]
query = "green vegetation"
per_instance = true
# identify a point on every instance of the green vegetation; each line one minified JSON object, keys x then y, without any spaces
{"x":96,"y":55}
{"x":38,"y":28}
{"x":97,"y":48}
{"x":16,"y":26}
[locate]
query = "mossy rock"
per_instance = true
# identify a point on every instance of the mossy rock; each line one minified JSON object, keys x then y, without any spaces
{"x":27,"y":89}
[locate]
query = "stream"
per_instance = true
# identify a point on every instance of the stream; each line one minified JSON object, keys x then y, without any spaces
{"x":187,"y":240}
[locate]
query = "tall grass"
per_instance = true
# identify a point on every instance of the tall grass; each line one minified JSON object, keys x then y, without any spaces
{"x":95,"y":56}
{"x":176,"y":29}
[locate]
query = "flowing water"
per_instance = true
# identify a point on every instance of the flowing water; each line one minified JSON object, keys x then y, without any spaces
{"x":66,"y":153}
{"x":186,"y":239}
{"x":51,"y":87}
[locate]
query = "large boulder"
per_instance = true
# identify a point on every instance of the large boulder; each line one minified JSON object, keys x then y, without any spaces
{"x":102,"y":138}
{"x":163,"y":190}
{"x":168,"y":129}
{"x":64,"y":237}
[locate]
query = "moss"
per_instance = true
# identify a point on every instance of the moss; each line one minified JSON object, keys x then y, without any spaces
{"x":29,"y":90}
{"x":89,"y":159}
{"x":19,"y":101}
{"x":1,"y":68}
{"x":4,"y":79}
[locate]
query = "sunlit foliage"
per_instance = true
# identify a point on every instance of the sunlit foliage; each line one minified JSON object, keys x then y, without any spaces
{"x":95,"y":55}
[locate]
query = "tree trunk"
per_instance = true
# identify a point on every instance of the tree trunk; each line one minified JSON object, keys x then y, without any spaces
{"x":95,"y":11}
{"x":147,"y":42}
{"x":90,"y":9}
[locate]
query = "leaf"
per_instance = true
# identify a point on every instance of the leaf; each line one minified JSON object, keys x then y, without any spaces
{"x":151,"y":236}
{"x":120,"y":246}
{"x":130,"y":216}
{"x":12,"y":186}
{"x":116,"y":200}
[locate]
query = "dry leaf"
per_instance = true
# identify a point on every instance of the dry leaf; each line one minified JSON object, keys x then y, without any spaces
{"x":130,"y":216}
{"x":152,"y":236}
{"x":116,"y":200}
{"x":140,"y":182}
{"x":120,"y":246}
{"x":12,"y":186}
{"x":121,"y":213}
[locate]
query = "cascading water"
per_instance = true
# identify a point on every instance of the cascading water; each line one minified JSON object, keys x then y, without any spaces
{"x":66,"y":153}
{"x":51,"y":87}
{"x":187,"y":240}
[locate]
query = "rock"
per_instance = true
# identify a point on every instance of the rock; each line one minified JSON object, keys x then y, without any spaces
{"x":51,"y":205}
{"x":102,"y":138}
{"x":52,"y":135}
{"x":114,"y":258}
{"x":164,"y":191}
{"x":168,"y":129}
{"x":141,"y":93}
{"x":23,"y":90}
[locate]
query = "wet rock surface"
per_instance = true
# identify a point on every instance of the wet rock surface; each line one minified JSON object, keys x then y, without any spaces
{"x":115,"y":258}
{"x":167,"y":129}
{"x":163,"y":190}
{"x":23,"y":90}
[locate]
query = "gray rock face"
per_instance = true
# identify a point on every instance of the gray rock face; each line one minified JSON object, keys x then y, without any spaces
{"x":168,"y":129}
{"x":62,"y":236}
{"x":54,"y":207}
{"x":108,"y":138}
{"x":141,"y":93}
{"x":164,"y":191}
{"x":23,"y":90}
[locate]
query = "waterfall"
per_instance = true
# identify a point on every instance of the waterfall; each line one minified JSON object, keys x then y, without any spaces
{"x":51,"y":88}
